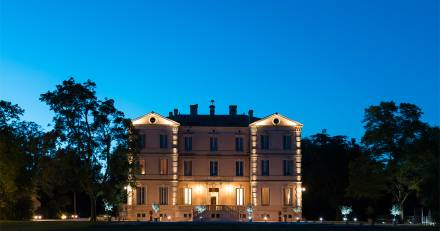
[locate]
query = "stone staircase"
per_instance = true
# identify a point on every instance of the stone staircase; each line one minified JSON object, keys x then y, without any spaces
{"x":218,"y":213}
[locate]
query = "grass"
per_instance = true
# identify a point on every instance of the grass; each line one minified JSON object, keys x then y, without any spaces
{"x":135,"y":226}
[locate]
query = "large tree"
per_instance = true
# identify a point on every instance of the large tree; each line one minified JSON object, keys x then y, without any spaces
{"x":325,"y":173}
{"x":390,"y":132}
{"x":20,"y":148}
{"x":98,"y":134}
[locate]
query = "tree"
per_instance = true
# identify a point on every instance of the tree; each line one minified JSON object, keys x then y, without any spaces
{"x":100,"y":136}
{"x":325,"y":173}
{"x":390,"y":131}
{"x":20,"y":148}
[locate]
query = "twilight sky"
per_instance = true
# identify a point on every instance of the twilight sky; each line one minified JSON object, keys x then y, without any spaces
{"x":318,"y":62}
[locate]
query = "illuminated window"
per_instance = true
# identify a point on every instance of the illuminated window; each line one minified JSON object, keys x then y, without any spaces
{"x":265,"y":167}
{"x":288,"y":167}
{"x":264,"y":141}
{"x":239,"y":168}
{"x":187,"y":168}
{"x":287,"y":142}
{"x":288,"y":196}
{"x":187,"y":196}
{"x":213,"y":144}
{"x":140,"y":195}
{"x":188,"y":143}
{"x":265,"y":196}
{"x":213,"y":168}
{"x":239,"y":194}
{"x":239,"y":144}
{"x":163,"y":170}
{"x":163,"y":141}
{"x":163,"y":195}
{"x":142,"y":166}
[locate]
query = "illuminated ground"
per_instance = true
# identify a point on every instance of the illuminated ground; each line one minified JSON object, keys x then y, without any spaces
{"x":133,"y":226}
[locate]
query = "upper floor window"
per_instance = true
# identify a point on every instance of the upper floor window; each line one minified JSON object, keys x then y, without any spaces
{"x":163,"y":168}
{"x":187,"y":168}
{"x":288,"y":167}
{"x":213,"y":168}
{"x":265,"y":167}
{"x":140,"y":195}
{"x":287,"y":142}
{"x":163,"y":140}
{"x":239,"y":167}
{"x":163,"y":195}
{"x":188,"y":143}
{"x":142,"y":165}
{"x":141,"y":141}
{"x":239,"y":144}
{"x":213,"y":145}
{"x":264,"y":141}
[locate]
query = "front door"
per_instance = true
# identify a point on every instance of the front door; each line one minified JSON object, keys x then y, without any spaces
{"x":213,"y":200}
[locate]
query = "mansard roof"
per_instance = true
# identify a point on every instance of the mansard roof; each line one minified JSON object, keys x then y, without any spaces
{"x":214,"y":120}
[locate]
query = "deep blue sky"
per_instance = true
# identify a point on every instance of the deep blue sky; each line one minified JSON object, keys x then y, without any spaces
{"x":319,"y":62}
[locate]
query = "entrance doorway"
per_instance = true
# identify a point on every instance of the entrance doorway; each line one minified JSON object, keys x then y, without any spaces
{"x":213,"y":193}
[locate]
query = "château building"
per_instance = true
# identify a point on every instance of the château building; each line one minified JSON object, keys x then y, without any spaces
{"x":234,"y":167}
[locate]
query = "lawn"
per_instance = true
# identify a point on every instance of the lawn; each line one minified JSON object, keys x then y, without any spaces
{"x":134,"y":226}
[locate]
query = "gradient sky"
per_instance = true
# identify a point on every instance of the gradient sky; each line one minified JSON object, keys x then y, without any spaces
{"x":318,"y":62}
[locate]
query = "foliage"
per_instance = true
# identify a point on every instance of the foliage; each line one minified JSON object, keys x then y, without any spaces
{"x":390,"y":132}
{"x":20,"y":147}
{"x":325,"y":164}
{"x":98,"y":134}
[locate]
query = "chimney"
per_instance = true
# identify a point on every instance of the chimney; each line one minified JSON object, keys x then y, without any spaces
{"x":193,"y":109}
{"x":212,"y":108}
{"x":251,"y":113}
{"x":176,"y":111}
{"x":233,"y":110}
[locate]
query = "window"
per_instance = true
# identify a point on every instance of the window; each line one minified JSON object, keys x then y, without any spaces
{"x":239,"y":194}
{"x":163,"y":168}
{"x":163,"y":141}
{"x":142,"y":166}
{"x":239,"y":144}
{"x":288,"y":196}
{"x":188,"y":144}
{"x":288,"y":167}
{"x":163,"y":195}
{"x":140,"y":195}
{"x":265,"y":167}
{"x":187,"y":168}
{"x":141,"y":141}
{"x":187,"y":196}
{"x":264,"y":142}
{"x":213,"y":143}
{"x":239,"y":168}
{"x":287,"y":142}
{"x":213,"y":168}
{"x":265,"y":196}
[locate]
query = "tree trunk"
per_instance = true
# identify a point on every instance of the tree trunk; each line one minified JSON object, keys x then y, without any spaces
{"x":92,"y":208}
{"x":401,"y":212}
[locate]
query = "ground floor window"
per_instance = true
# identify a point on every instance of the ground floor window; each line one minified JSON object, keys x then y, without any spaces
{"x":240,"y":196}
{"x":288,"y":196}
{"x":187,"y":196}
{"x":163,"y":195}
{"x":265,"y":196}
{"x":140,"y":195}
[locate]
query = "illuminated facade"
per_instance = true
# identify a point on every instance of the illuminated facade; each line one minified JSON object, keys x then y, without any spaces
{"x":216,"y":167}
